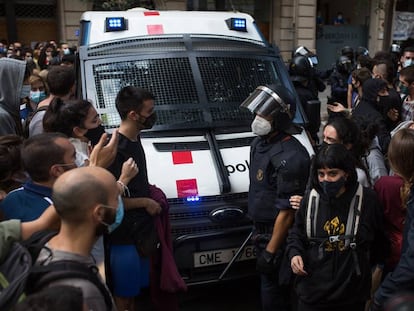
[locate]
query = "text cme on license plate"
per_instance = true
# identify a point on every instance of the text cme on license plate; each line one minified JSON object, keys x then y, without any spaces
{"x":220,"y":256}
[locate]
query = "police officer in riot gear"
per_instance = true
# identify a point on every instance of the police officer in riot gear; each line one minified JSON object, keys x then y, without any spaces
{"x":316,"y":83}
{"x":339,"y":80}
{"x":279,"y":167}
{"x":301,"y":73}
{"x":348,"y":52}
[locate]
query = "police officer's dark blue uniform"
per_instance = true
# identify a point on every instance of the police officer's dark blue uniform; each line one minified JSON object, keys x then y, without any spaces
{"x":279,"y":167}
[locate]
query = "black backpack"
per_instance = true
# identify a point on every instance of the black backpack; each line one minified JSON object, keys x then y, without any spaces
{"x":20,"y":277}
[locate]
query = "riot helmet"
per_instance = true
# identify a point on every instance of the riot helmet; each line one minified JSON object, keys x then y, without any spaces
{"x":361,"y":50}
{"x":300,"y":68}
{"x":349,"y":52}
{"x":395,"y":48}
{"x":343,"y":64}
{"x":274,"y":103}
{"x":304,"y":51}
{"x":270,"y":101}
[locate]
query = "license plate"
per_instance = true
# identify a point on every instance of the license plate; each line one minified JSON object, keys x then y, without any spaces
{"x":221,"y":256}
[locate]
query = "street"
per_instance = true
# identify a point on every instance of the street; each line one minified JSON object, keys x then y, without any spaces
{"x":240,"y":295}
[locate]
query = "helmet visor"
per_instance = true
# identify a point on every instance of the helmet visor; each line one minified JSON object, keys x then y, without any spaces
{"x":264,"y":102}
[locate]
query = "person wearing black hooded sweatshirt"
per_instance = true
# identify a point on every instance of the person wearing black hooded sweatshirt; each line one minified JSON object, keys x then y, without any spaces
{"x":369,"y":108}
{"x":333,"y":238}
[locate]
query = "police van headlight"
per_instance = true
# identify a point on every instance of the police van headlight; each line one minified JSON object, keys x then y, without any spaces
{"x":238,"y":24}
{"x":115,"y":24}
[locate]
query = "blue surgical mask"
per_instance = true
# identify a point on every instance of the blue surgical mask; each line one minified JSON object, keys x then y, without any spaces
{"x":408,"y":62}
{"x":119,"y":216}
{"x":37,"y":96}
{"x":66,"y":51}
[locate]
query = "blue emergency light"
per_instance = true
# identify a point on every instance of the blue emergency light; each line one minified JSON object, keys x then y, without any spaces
{"x":238,"y":24}
{"x":194,"y":198}
{"x":115,"y":24}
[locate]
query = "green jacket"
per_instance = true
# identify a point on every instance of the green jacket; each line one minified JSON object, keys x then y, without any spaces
{"x":10,"y":231}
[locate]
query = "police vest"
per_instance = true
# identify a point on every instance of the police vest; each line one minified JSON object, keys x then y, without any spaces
{"x":278,"y":170}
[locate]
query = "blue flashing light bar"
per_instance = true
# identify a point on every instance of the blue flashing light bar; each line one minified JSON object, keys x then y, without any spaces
{"x":194,"y":198}
{"x":115,"y":24}
{"x":238,"y":24}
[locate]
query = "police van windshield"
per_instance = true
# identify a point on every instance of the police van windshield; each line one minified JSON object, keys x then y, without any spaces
{"x":193,"y":90}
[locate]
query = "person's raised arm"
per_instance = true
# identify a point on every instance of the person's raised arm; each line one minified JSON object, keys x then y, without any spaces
{"x":103,"y":155}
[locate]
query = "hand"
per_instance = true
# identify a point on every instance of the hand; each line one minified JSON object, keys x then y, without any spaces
{"x":296,"y":263}
{"x":153,"y":207}
{"x":295,"y":201}
{"x":103,"y":155}
{"x":392,"y":114}
{"x":129,"y":171}
{"x":266,"y":262}
{"x":376,"y":280}
{"x":336,"y":107}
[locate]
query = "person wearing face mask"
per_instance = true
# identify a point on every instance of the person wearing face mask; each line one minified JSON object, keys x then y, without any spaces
{"x":62,"y":51}
{"x":73,"y":118}
{"x":337,"y":229}
{"x":129,"y":270}
{"x":407,"y":93}
{"x":38,"y":90}
{"x":88,"y":203}
{"x":407,"y":57}
{"x":370,"y":108}
{"x":279,"y":166}
{"x":60,"y":81}
{"x":390,"y":104}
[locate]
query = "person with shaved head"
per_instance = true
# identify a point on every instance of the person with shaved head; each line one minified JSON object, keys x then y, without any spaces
{"x":88,"y":203}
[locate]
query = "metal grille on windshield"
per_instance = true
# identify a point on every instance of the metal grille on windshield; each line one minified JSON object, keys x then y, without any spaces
{"x":181,"y":102}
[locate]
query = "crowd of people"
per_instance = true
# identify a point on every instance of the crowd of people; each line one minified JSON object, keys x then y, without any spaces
{"x":332,"y":227}
{"x":55,"y":151}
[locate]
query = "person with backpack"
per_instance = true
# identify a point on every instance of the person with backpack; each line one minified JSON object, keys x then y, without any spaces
{"x":14,"y":230}
{"x":88,"y":202}
{"x":337,"y":230}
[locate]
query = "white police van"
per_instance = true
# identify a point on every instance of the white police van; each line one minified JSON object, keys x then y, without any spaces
{"x":200,"y":66}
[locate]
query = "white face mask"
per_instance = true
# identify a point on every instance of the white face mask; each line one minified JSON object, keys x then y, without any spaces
{"x":408,"y":62}
{"x":261,"y":126}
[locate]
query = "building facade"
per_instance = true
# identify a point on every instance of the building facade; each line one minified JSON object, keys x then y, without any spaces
{"x":286,"y":23}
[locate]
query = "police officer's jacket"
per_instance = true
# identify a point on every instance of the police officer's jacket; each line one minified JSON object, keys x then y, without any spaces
{"x":279,"y":168}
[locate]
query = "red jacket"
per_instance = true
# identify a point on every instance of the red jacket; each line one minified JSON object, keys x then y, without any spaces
{"x":388,"y":191}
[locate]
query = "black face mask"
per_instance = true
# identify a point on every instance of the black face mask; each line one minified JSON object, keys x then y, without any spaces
{"x":149,"y":121}
{"x":384,"y":103}
{"x":331,"y":188}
